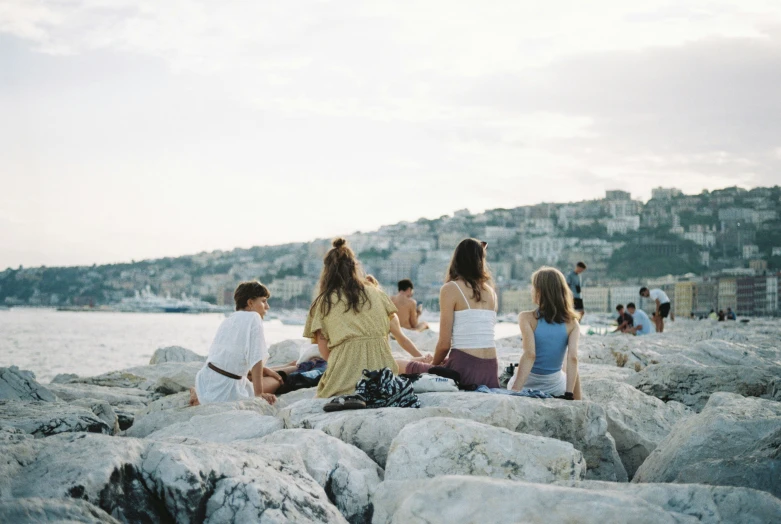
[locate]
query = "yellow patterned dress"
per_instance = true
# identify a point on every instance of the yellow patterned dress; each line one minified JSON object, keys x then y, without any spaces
{"x":357,"y":341}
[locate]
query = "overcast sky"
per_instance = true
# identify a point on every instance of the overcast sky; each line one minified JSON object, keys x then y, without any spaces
{"x":148,"y":128}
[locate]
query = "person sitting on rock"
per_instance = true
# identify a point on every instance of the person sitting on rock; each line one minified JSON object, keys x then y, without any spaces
{"x":467,"y":320}
{"x":625,"y":320}
{"x":349,"y":321}
{"x":239,"y":348}
{"x":409,"y":310}
{"x":549,"y":334}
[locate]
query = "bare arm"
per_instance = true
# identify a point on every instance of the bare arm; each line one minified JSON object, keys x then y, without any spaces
{"x":257,"y":372}
{"x":322,"y":345}
{"x":446,"y":315}
{"x":529,"y":350}
{"x":572,"y":359}
{"x":405,"y":343}
{"x":413,"y":315}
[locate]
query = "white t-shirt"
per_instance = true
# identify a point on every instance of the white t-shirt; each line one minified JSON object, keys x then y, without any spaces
{"x":641,"y":319}
{"x":238,"y":345}
{"x":658,"y":294}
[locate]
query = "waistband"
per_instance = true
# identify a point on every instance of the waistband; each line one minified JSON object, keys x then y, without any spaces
{"x":222,"y":372}
{"x":463,"y":354}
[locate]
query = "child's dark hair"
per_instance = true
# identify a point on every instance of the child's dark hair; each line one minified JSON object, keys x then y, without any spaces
{"x":246,"y":291}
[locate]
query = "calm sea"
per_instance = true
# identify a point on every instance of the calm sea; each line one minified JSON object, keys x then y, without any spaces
{"x":49,"y":342}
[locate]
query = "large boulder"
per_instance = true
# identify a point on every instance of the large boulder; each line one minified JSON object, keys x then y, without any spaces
{"x":17,"y":384}
{"x":589,"y":372}
{"x":175,"y":354}
{"x":128,"y":398}
{"x":347,"y":474}
{"x":447,"y":446}
{"x":103,"y":411}
{"x":52,"y":510}
{"x":583,"y":424}
{"x":734,"y":441}
{"x":166,"y":378}
{"x":288,"y":399}
{"x":225,"y":426}
{"x":42,"y":419}
{"x":710,"y":504}
{"x":153,"y":419}
{"x":17,"y":450}
{"x":462,"y":499}
{"x":636,"y":421}
{"x":138,"y":480}
{"x":285,"y":352}
{"x":693,"y":385}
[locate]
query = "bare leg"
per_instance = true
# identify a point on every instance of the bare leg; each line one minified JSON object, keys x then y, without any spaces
{"x":402,"y":365}
{"x":661,"y":325}
{"x":194,"y":398}
{"x":270,"y":385}
{"x":577,"y":394}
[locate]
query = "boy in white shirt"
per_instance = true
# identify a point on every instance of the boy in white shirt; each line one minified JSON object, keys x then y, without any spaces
{"x":662,"y":305}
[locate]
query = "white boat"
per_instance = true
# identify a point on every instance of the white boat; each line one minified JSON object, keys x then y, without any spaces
{"x":147,"y":302}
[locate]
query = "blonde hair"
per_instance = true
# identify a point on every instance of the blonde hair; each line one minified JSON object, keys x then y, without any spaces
{"x":553,"y":296}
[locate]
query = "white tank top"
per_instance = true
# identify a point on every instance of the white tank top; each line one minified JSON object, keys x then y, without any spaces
{"x":473,"y":328}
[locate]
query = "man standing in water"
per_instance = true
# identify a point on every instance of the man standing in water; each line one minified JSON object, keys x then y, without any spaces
{"x":574,"y":283}
{"x":662,"y":305}
{"x":409,"y":310}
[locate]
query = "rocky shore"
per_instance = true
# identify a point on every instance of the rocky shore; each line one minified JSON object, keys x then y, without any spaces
{"x":680,"y":427}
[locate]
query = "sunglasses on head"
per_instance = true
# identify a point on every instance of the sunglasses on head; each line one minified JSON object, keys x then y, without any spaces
{"x":483,"y":244}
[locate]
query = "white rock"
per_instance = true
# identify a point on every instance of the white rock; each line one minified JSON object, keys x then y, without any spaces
{"x":590,"y":372}
{"x":139,"y":480}
{"x":42,"y":419}
{"x":446,"y":446}
{"x":130,"y":398}
{"x":17,"y":450}
{"x":52,"y":510}
{"x":462,"y":499}
{"x":734,"y":441}
{"x":693,"y":385}
{"x":156,"y":419}
{"x":288,"y":399}
{"x":583,"y":424}
{"x":17,"y":384}
{"x":636,"y":421}
{"x":285,"y":352}
{"x":710,"y":504}
{"x":347,"y":474}
{"x":165,"y":378}
{"x":175,"y":354}
{"x":221,"y":427}
{"x":102,"y":410}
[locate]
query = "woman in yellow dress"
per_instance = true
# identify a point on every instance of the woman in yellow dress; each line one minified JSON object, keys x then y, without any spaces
{"x":350,"y":321}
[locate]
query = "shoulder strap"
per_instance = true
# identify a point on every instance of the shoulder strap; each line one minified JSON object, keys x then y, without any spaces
{"x":462,"y":294}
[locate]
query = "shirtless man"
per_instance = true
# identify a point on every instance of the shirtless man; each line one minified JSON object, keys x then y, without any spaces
{"x":409,"y":310}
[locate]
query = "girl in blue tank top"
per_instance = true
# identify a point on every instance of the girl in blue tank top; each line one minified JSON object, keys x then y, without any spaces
{"x":550,"y":335}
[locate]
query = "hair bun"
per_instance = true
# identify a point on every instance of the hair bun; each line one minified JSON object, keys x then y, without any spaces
{"x":339,"y":242}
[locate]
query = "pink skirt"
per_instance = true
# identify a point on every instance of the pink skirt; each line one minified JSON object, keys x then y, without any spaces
{"x":474,"y":371}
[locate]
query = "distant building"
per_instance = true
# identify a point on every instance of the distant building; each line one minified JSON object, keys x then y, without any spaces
{"x":289,"y":288}
{"x":706,"y":296}
{"x":450,"y":239}
{"x":546,"y":249}
{"x":776,"y":252}
{"x":750,"y":251}
{"x":498,"y":233}
{"x":665,"y":193}
{"x":463,"y":213}
{"x":538,"y":226}
{"x":502,"y":270}
{"x":617,"y":195}
{"x":738,"y":214}
{"x":516,"y":300}
{"x":596,"y":299}
{"x":757,"y":264}
{"x":623,"y":225}
{"x":685,"y":298}
{"x":622,"y":295}
{"x":395,"y":270}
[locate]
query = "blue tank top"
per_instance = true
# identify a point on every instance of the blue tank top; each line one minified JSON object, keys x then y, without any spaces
{"x":550,"y":342}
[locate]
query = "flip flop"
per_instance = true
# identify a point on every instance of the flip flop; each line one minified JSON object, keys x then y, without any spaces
{"x":345,"y":402}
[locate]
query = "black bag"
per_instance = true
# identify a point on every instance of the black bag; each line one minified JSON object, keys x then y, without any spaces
{"x":381,"y":389}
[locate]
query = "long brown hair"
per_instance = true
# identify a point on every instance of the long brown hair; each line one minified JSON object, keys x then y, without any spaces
{"x":468,"y":263}
{"x":342,"y":275}
{"x":553,"y":296}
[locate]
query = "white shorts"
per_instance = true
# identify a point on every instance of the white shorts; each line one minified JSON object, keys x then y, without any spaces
{"x":553,"y":384}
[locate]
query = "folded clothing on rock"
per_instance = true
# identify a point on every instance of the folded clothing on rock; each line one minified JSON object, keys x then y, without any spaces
{"x":532,"y":393}
{"x":382,"y":389}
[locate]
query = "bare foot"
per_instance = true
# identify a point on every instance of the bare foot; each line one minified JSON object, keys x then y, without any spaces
{"x":194,"y":398}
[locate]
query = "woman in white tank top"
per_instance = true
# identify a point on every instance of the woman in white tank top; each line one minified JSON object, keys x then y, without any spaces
{"x":467,"y":320}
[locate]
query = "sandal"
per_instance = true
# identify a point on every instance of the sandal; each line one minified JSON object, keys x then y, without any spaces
{"x":345,"y":402}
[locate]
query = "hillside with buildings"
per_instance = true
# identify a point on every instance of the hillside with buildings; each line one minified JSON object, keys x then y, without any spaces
{"x":708,"y":251}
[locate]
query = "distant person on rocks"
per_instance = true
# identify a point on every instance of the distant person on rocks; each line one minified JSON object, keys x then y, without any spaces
{"x":731,"y":314}
{"x":550,"y":337}
{"x":409,"y":310}
{"x":239,"y":348}
{"x":642,"y":322}
{"x":467,"y":320}
{"x":625,"y":320}
{"x":722,"y":315}
{"x":662,"y":305}
{"x":349,"y":321}
{"x":712,"y":315}
{"x":575,"y":286}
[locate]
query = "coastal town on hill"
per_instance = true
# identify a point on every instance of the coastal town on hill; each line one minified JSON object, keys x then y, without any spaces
{"x":708,"y":251}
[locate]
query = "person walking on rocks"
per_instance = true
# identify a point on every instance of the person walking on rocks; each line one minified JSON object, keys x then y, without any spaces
{"x":467,"y":320}
{"x":575,"y":286}
{"x":349,"y":321}
{"x":662,"y":306}
{"x":550,"y":337}
{"x":239,"y":348}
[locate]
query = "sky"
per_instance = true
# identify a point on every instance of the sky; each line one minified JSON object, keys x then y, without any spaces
{"x":141,"y":129}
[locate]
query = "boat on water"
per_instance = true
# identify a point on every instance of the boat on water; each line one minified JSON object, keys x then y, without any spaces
{"x":147,"y":302}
